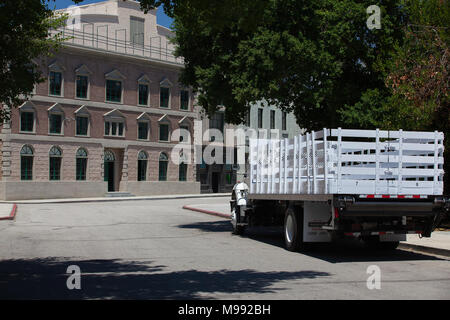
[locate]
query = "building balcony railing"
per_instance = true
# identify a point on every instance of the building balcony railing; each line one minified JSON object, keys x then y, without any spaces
{"x":156,"y":50}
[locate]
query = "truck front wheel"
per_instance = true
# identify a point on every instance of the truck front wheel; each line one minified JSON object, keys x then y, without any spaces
{"x":235,"y":220}
{"x":293,"y":229}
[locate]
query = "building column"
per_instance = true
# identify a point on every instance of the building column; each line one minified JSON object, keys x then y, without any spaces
{"x":124,"y":180}
{"x":6,"y":147}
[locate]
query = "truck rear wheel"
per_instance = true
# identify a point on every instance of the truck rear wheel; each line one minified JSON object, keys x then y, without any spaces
{"x":293,"y":230}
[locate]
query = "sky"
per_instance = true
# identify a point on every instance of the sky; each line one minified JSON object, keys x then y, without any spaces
{"x":162,"y":19}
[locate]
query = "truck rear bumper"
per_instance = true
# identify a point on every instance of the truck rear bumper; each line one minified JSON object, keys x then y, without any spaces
{"x":423,"y":207}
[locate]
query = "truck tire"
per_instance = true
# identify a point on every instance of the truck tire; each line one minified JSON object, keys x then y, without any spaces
{"x":235,"y":219}
{"x":293,"y":229}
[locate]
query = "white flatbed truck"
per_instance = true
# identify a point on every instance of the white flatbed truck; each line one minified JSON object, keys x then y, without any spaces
{"x":375,"y":185}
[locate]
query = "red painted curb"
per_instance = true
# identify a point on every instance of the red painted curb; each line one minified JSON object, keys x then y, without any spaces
{"x":214,"y":213}
{"x":12,"y":215}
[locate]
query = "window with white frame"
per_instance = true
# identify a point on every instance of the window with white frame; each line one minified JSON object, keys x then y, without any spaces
{"x":142,"y":166}
{"x":184,"y":133}
{"x":55,"y":157}
{"x":82,"y":117}
{"x":114,"y":124}
{"x":27,"y":117}
{"x":143,"y":130}
{"x":114,"y":86}
{"x":26,"y":163}
{"x":55,"y":80}
{"x":184,"y":99}
{"x":82,"y":75}
{"x":55,"y":119}
{"x":81,"y":164}
{"x":163,"y":132}
{"x":164,"y":93}
{"x":144,"y":91}
{"x":143,"y":127}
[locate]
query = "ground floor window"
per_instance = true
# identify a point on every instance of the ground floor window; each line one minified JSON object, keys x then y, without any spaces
{"x":26,"y":163}
{"x":163,"y":161}
{"x":55,"y":163}
{"x":142,"y":166}
{"x":81,"y":164}
{"x":182,"y":172}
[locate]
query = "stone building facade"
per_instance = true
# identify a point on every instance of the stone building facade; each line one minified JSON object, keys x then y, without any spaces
{"x":106,"y":119}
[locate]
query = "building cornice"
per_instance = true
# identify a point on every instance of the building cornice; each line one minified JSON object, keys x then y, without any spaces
{"x":136,"y":58}
{"x":107,"y":143}
{"x":108,"y":106}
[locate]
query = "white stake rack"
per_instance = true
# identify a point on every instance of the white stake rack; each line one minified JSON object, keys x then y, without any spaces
{"x":344,"y":161}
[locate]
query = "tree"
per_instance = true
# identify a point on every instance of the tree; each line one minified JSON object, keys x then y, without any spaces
{"x":306,"y":56}
{"x":24,"y":37}
{"x":416,"y":93}
{"x":419,"y":73}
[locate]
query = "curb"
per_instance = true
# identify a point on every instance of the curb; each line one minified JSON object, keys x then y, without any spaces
{"x":112,"y":199}
{"x":424,"y":249}
{"x":213,"y":213}
{"x":12,"y":215}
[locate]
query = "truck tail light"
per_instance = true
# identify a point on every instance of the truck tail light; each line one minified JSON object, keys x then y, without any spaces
{"x":336,"y":213}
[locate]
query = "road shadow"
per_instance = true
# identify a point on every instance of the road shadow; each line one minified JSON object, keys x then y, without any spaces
{"x":118,"y":279}
{"x":340,"y":251}
{"x":210,"y":226}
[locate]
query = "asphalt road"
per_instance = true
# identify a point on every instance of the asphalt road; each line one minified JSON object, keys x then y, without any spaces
{"x":156,"y":250}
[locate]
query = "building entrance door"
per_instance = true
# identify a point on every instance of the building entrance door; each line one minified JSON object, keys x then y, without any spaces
{"x":109,"y":160}
{"x":215,"y":182}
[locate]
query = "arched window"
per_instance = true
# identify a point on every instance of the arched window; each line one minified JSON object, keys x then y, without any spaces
{"x":182,"y":168}
{"x":26,"y":163}
{"x":109,"y":156}
{"x":163,"y":161}
{"x":81,"y":164}
{"x":182,"y":171}
{"x":55,"y":155}
{"x":142,"y":166}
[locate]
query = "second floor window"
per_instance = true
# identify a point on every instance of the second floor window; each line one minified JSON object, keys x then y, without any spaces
{"x":82,"y":126}
{"x":82,"y":87}
{"x":55,"y":79}
{"x":55,"y":122}
{"x":164,"y":132}
{"x":27,"y":121}
{"x":113,"y":90}
{"x":143,"y":130}
{"x":184,"y":134}
{"x":184,"y":100}
{"x":114,"y":129}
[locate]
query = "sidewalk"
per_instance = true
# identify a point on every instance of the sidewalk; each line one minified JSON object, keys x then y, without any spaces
{"x":108,"y":199}
{"x":439,"y":243}
{"x":7,"y":211}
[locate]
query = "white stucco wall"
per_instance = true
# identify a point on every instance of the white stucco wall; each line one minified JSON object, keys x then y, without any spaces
{"x":111,"y":19}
